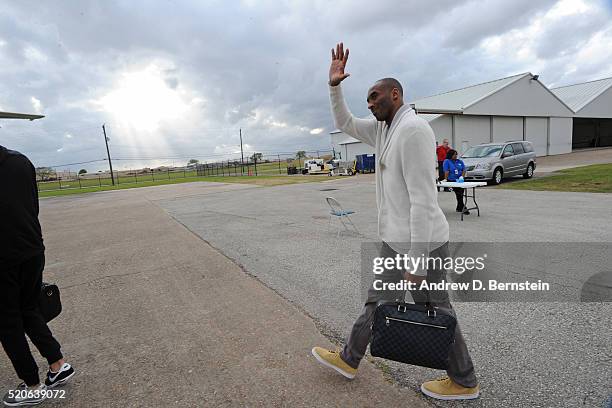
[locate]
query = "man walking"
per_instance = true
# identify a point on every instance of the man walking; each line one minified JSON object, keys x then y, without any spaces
{"x":22,"y":261}
{"x":409,"y":219}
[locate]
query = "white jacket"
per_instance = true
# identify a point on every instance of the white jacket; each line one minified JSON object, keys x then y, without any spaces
{"x":409,"y":217}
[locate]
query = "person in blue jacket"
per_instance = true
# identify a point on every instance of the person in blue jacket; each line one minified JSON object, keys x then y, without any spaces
{"x":453,"y":169}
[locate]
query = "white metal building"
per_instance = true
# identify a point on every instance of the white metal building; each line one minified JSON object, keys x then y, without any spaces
{"x":347,"y":147}
{"x":518,"y":107}
{"x":592,"y":104}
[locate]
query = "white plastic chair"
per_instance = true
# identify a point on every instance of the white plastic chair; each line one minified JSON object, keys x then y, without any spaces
{"x":342,"y":215}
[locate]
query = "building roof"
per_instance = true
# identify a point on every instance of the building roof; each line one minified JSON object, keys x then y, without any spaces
{"x":578,"y":96}
{"x":350,"y":140}
{"x":12,"y":115}
{"x":459,"y":99}
{"x":430,"y":117}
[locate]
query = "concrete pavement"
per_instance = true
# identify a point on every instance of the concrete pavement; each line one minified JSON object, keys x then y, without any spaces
{"x":577,"y":158}
{"x":154,"y":316}
{"x":526,"y":354}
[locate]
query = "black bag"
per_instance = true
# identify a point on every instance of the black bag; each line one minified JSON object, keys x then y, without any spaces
{"x":49,"y":301}
{"x":412,"y":334}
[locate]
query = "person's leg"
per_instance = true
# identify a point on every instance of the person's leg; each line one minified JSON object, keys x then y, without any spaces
{"x":347,"y":361}
{"x":361,"y":333}
{"x":359,"y":337}
{"x":33,"y":322}
{"x":12,"y":332}
{"x":459,"y":196}
{"x":461,"y":368}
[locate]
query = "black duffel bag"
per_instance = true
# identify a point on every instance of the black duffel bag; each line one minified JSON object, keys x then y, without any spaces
{"x":49,"y":301}
{"x":420,"y":335}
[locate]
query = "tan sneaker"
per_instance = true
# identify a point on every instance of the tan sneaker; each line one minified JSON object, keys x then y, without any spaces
{"x":332,"y":359}
{"x":446,"y":389}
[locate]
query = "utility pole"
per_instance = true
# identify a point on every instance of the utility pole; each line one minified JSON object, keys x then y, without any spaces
{"x":108,"y":154}
{"x":241,"y":155}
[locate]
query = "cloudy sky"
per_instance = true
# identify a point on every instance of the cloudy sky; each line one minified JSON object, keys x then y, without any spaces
{"x":175,"y":79}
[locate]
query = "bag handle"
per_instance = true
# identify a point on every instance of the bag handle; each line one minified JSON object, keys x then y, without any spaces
{"x":429,"y":307}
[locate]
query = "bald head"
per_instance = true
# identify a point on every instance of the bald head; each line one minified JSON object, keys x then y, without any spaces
{"x":389,"y":83}
{"x":385,"y":98}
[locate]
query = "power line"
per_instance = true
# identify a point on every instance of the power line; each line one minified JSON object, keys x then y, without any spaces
{"x":217,"y":155}
{"x":74,"y":164}
{"x":322,"y":150}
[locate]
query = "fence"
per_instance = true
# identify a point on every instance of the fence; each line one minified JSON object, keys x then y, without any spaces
{"x":262,"y":166}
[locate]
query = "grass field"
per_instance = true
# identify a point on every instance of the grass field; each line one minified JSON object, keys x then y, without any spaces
{"x":596,"y":178}
{"x":265,"y":180}
{"x":103,"y":179}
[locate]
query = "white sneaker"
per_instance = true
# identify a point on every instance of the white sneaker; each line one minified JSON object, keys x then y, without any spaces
{"x":23,"y":395}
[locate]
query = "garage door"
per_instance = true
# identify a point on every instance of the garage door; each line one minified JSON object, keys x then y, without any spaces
{"x":560,"y":136}
{"x":506,"y":129}
{"x":471,"y":130}
{"x":536,"y":130}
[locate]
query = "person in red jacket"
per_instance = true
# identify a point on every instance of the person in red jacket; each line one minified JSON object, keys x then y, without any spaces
{"x":441,"y":152}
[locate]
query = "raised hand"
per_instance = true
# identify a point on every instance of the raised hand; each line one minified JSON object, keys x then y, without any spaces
{"x":338,"y":63}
